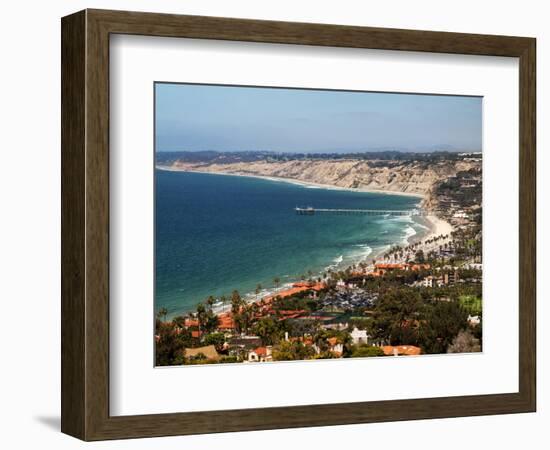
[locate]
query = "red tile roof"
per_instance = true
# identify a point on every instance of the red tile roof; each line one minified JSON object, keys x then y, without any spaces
{"x":226,"y":322}
{"x":296,"y":289}
{"x":420,"y":266}
{"x":290,"y":314}
{"x":191,"y":322}
{"x":402,"y":350}
{"x":400,"y":266}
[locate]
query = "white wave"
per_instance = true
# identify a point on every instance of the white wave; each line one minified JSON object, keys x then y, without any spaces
{"x":366,"y":250}
{"x":419,"y":225}
{"x":409,"y":232}
{"x":402,"y":219}
{"x":335,"y":263}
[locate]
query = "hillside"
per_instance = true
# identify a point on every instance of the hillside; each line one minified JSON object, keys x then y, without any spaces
{"x":413,"y":177}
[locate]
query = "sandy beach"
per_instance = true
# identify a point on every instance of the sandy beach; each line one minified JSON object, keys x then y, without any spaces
{"x":438,"y":227}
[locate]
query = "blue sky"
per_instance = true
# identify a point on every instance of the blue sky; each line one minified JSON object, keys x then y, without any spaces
{"x":226,"y":118}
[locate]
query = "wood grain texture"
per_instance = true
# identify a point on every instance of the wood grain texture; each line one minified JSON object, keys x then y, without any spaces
{"x":85,"y":224}
{"x":73,"y":225}
{"x":527,"y":224}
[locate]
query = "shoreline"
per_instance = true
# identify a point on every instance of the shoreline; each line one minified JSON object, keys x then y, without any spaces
{"x":434,"y":226}
{"x":295,"y":181}
{"x":438,"y":227}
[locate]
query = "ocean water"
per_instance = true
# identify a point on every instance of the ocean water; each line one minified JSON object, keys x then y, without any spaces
{"x":217,"y":233}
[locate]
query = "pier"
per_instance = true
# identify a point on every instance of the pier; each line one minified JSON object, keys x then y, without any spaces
{"x":310,"y":211}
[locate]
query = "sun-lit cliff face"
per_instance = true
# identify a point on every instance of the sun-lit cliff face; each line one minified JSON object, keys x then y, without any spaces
{"x":414,"y":177}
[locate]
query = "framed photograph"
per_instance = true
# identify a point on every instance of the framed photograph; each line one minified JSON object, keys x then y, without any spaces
{"x":272,"y":225}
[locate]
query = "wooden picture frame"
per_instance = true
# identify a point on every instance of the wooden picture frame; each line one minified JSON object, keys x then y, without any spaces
{"x":85,"y":224}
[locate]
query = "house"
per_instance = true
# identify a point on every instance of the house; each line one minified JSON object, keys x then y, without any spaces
{"x":306,"y":340}
{"x":382,"y":268}
{"x":460,"y":215}
{"x":450,"y":277}
{"x":359,"y":336}
{"x":208,"y":351}
{"x":241,"y":345}
{"x":431,"y":281}
{"x":310,"y":285}
{"x":372,"y":274}
{"x":297,"y":288}
{"x":260,"y":354}
{"x":417,"y":267}
{"x":474,"y":320}
{"x":401,"y":350}
{"x":428,"y":281}
{"x":335,"y":347}
{"x":226,"y":322}
{"x":191,"y":322}
{"x":346,"y":284}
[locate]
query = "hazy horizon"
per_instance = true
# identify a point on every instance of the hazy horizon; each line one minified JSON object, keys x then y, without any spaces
{"x":192,"y":118}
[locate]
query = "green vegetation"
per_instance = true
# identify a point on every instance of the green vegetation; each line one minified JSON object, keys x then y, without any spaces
{"x":292,"y":351}
{"x":269,"y":329}
{"x":442,"y":324}
{"x":471,"y":303}
{"x":170,"y":344}
{"x":365,"y":351}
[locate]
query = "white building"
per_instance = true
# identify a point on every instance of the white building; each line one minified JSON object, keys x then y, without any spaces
{"x":431,"y":281}
{"x":460,"y":215}
{"x":359,"y":336}
{"x":474,"y":320}
{"x":260,"y":354}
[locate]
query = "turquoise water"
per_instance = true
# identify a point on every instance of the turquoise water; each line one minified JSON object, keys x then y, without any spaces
{"x":216,"y":233}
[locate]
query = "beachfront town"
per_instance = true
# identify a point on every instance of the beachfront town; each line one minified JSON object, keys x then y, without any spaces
{"x":424,"y":297}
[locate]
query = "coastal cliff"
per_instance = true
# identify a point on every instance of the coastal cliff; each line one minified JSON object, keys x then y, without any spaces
{"x":409,"y":177}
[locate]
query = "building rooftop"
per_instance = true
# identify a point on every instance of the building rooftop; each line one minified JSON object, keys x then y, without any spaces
{"x":226,"y":322}
{"x":209,"y":351}
{"x":401,"y":350}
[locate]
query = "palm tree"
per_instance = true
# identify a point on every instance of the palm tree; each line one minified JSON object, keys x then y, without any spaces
{"x":276,"y":280}
{"x":162,"y":312}
{"x":179,"y":321}
{"x":236,"y":302}
{"x":201,"y":316}
{"x":258,"y":290}
{"x":210,"y":301}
